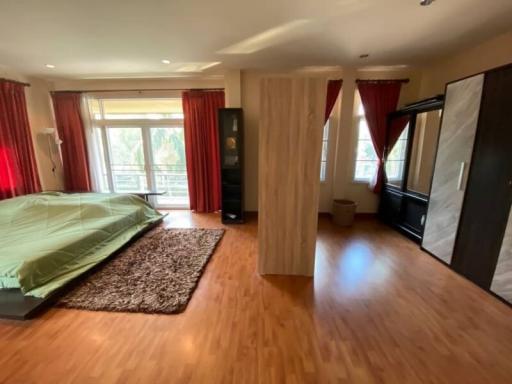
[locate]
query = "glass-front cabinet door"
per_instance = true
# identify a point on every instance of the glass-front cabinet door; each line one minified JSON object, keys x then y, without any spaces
{"x":411,"y":146}
{"x":423,"y":151}
{"x":396,"y":151}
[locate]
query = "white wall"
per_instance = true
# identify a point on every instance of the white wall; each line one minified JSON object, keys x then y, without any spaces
{"x":139,"y":84}
{"x":251,"y":104}
{"x":233,"y":88}
{"x":492,"y":53}
{"x":40,"y":114}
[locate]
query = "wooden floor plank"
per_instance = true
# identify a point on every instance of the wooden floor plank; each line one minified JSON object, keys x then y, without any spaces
{"x":378,"y":310}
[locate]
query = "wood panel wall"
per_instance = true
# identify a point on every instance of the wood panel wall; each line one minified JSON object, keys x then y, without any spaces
{"x":290,"y":137}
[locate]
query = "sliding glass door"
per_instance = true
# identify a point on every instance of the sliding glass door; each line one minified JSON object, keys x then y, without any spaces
{"x":127,"y":161}
{"x":168,"y":166}
{"x":142,"y":147}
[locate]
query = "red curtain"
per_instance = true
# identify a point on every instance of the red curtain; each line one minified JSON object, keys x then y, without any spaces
{"x":18,"y":168}
{"x":379,"y":98}
{"x":75,"y":164}
{"x":202,"y":148}
{"x":396,"y":128}
{"x":333,"y":90}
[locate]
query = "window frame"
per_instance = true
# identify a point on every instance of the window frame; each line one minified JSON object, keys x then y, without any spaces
{"x":145,"y":126}
{"x":327,"y":140}
{"x":358,"y":117}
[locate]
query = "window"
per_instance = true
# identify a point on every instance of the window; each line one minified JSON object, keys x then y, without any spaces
{"x":366,"y":158}
{"x":142,"y":145}
{"x":325,"y":149}
{"x":395,"y":161}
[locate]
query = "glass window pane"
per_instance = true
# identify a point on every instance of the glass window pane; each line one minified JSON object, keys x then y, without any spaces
{"x":324,"y":150}
{"x":94,"y":108}
{"x":326,"y":131}
{"x":364,"y":132}
{"x":366,"y":158}
{"x":152,"y":109}
{"x":394,"y":170}
{"x":323,"y":170}
{"x":169,"y":166}
{"x":399,"y":150}
{"x":127,"y":159}
{"x":98,"y":140}
{"x":365,"y":150}
{"x":360,"y":109}
{"x":365,"y":170}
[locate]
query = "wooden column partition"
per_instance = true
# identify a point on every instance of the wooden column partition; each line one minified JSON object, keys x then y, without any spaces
{"x":290,"y":137}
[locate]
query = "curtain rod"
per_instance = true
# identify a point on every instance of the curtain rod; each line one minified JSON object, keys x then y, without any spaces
{"x":15,"y":81}
{"x":142,"y":90}
{"x":382,"y":81}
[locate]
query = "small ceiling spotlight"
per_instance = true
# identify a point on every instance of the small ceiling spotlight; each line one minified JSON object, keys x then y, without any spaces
{"x":165,"y":61}
{"x":426,"y":2}
{"x":51,"y":66}
{"x":364,"y":55}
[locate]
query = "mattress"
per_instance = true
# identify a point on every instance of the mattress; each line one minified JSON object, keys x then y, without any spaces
{"x":48,"y":239}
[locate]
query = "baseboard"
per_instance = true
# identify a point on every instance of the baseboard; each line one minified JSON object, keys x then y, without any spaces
{"x":366,"y":215}
{"x":250,"y":214}
{"x":359,"y":215}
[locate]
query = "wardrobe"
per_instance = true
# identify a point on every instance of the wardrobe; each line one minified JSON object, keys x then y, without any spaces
{"x":469,"y":220}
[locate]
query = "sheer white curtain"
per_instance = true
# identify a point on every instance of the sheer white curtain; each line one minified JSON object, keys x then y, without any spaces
{"x":94,"y":147}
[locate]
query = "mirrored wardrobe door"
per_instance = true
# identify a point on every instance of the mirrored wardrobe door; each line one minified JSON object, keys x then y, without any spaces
{"x":423,"y":151}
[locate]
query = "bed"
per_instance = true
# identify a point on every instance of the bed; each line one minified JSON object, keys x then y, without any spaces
{"x":48,"y":239}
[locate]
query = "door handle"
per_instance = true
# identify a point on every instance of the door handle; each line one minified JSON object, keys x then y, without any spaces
{"x":460,"y":180}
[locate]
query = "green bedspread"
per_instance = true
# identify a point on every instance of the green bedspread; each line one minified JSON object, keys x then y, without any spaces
{"x":47,"y":239}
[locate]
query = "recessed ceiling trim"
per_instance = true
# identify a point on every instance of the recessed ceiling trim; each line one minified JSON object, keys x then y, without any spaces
{"x":277,"y":35}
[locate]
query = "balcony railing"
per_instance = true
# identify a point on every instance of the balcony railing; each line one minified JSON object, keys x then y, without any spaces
{"x":170,"y":179}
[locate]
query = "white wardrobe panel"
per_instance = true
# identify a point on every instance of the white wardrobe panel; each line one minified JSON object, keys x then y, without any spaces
{"x":456,"y":139}
{"x":502,"y":280}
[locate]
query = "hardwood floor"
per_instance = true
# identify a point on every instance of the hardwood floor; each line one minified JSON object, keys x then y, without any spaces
{"x":378,"y":311}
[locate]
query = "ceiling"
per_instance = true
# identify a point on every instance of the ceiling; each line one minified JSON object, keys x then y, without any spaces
{"x":129,"y":38}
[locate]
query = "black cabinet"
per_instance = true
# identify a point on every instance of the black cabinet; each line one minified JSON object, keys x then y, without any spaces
{"x":231,"y":146}
{"x":408,"y":162}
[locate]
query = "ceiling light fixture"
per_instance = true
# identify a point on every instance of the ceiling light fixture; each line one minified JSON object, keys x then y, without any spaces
{"x":364,"y":55}
{"x":165,"y":61}
{"x":51,"y":66}
{"x":426,"y":2}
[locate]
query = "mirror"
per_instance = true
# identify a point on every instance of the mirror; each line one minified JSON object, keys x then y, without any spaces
{"x":397,"y":154}
{"x":423,"y":151}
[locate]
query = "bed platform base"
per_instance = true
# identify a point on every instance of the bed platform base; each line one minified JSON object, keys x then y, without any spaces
{"x":16,"y":306}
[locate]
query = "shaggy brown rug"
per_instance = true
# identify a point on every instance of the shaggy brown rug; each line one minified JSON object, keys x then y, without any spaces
{"x":156,"y":274}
